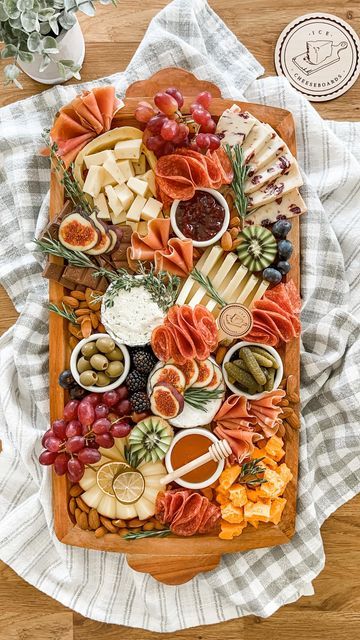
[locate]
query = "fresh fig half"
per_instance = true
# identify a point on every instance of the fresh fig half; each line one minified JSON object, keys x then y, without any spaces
{"x":105,"y":240}
{"x":170,"y":374}
{"x":206,"y":372}
{"x":166,"y":401}
{"x":78,"y":233}
{"x":216,"y":379}
{"x":190,"y":370}
{"x":114,"y":241}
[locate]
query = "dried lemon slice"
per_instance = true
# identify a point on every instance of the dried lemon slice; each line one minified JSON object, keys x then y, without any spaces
{"x":106,"y":474}
{"x":128,"y":486}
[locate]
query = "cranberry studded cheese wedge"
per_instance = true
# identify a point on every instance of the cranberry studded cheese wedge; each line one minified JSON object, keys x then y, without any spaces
{"x":117,"y":490}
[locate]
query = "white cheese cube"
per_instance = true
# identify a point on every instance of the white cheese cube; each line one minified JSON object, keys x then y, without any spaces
{"x":125,"y":195}
{"x":107,"y":179}
{"x":149,"y":177}
{"x":114,"y":202}
{"x":128,"y":149}
{"x":139,"y":187}
{"x":101,"y":203}
{"x":94,"y":181}
{"x":151,"y":209}
{"x":136,"y":209}
{"x":118,"y":218}
{"x":140,"y":166}
{"x":111,"y":167}
{"x":98,"y":158}
{"x":126,"y":168}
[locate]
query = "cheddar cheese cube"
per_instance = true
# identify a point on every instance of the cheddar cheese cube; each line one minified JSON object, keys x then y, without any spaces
{"x":230,"y":513}
{"x":276,"y":509}
{"x":228,"y":476}
{"x":237,"y":495}
{"x":230,"y":531}
{"x":251,"y":494}
{"x":222,"y":498}
{"x":257,"y":511}
{"x":274,"y":448}
{"x":254,"y":523}
{"x":285,"y":473}
{"x":274,"y":485}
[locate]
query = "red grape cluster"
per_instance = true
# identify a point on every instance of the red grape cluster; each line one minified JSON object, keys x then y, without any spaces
{"x":167,"y":128}
{"x":93,"y":422}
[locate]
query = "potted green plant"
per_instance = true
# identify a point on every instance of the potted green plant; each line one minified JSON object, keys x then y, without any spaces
{"x":44,"y":38}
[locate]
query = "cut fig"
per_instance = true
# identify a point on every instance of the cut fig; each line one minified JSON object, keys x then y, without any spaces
{"x":78,"y":233}
{"x":206,"y":372}
{"x":166,"y":401}
{"x":170,"y":374}
{"x":105,"y":240}
{"x":190,"y":370}
{"x":114,"y":241}
{"x":216,"y":379}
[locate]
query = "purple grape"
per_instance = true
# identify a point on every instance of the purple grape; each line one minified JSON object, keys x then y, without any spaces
{"x":59,"y":428}
{"x":73,"y":428}
{"x":175,"y":93}
{"x":70,"y":410}
{"x":105,"y":440}
{"x":101,"y":410}
{"x":75,"y":470}
{"x":74,"y":444}
{"x":53,"y":444}
{"x":47,"y":457}
{"x":61,"y":464}
{"x":89,"y":456}
{"x":100,"y":426}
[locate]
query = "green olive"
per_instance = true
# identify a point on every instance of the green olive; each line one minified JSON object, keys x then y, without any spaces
{"x":115,"y":354}
{"x":88,"y":378}
{"x":115,"y":369}
{"x":102,"y":380}
{"x":83,"y":365}
{"x":89,"y":349}
{"x":99,"y":362}
{"x":105,"y":345}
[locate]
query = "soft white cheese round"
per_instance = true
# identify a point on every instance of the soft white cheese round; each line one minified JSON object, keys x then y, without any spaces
{"x":132,"y":317}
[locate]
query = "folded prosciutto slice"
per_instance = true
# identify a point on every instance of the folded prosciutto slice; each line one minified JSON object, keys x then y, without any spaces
{"x":84,"y":118}
{"x":240,"y":441}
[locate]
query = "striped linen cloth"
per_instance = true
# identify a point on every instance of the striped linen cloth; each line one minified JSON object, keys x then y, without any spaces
{"x":100,"y":585}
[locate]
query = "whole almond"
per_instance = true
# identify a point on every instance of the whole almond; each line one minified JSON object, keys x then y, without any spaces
{"x":101,"y":328}
{"x":220,"y":354}
{"x":294,"y":398}
{"x":236,"y":243}
{"x":73,"y":342}
{"x":72,"y":506}
{"x":75,"y":331}
{"x":100,"y":532}
{"x":149,"y":526}
{"x":282,"y":384}
{"x":86,"y":326}
{"x":94,"y":320}
{"x":119,"y":523}
{"x":83,"y":521}
{"x":135,"y":522}
{"x":82,"y":312}
{"x":69,"y":301}
{"x":234,"y":222}
{"x":286,"y":411}
{"x":75,"y":490}
{"x":281,"y":430}
{"x":84,"y":304}
{"x":159,"y":526}
{"x":234,"y":232}
{"x":135,"y":530}
{"x":78,"y":295}
{"x":82,"y":505}
{"x":123,"y":532}
{"x":291,"y":385}
{"x":284,"y":402}
{"x":108,"y":524}
{"x":77,"y":514}
{"x":293,"y":420}
{"x":226,"y":241}
{"x":94,"y":519}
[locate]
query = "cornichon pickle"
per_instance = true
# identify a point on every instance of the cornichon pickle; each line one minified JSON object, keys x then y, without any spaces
{"x":244,"y":378}
{"x":266,"y":354}
{"x":241,"y":364}
{"x":270,"y":381}
{"x":252,"y":365}
{"x":263,"y":362}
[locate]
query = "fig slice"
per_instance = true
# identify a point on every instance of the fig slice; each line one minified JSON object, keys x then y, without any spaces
{"x":114,"y":241}
{"x":190,"y":370}
{"x":78,"y":233}
{"x":206,"y":372}
{"x":105,"y":239}
{"x":170,"y":374}
{"x":166,"y":401}
{"x":216,"y":379}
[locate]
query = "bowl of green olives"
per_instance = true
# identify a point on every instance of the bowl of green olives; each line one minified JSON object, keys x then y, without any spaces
{"x":99,"y":363}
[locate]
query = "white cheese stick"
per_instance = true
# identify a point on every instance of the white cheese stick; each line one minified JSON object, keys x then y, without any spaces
{"x":98,"y":158}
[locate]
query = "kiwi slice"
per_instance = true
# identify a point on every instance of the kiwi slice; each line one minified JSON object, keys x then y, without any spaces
{"x":257,"y":249}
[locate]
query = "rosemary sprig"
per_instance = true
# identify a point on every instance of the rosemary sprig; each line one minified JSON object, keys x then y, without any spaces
{"x":200,"y":397}
{"x":64,"y":312}
{"x":147,"y":534}
{"x":240,"y":170}
{"x":205,"y":282}
{"x":66,"y":175}
{"x":250,"y":473}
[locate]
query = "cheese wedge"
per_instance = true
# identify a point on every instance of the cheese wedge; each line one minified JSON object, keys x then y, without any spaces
{"x":126,"y":168}
{"x":275,"y":168}
{"x":101,"y":203}
{"x":135,"y":211}
{"x":255,"y":141}
{"x":138,"y":186}
{"x":289,"y":205}
{"x":276,"y":189}
{"x":273,"y":148}
{"x":98,"y":158}
{"x":114,"y":202}
{"x":234,"y":126}
{"x":114,"y":170}
{"x":94,"y":181}
{"x":140,"y":166}
{"x":128,"y":149}
{"x":151,"y":209}
{"x":125,"y":195}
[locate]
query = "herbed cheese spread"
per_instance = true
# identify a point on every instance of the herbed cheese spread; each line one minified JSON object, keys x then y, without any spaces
{"x":132,"y":316}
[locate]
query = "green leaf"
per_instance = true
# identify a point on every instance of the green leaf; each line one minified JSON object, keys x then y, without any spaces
{"x":34,"y":43}
{"x":25,"y":56}
{"x":46,"y":14}
{"x":45,"y":28}
{"x":29,"y":21}
{"x":3,"y":15}
{"x":24,"y":5}
{"x":67,"y":20}
{"x":11,"y":8}
{"x":9,"y":51}
{"x":15,"y":23}
{"x":50,"y":45}
{"x":53,"y":23}
{"x":11,"y":72}
{"x":87,"y":7}
{"x":44,"y":63}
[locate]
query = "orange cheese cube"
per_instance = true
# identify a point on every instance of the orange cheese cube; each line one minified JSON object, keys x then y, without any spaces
{"x":285,"y":473}
{"x":228,"y":476}
{"x":276,"y":509}
{"x":274,"y":485}
{"x":274,"y":448}
{"x":237,"y":495}
{"x":230,"y":531}
{"x":232,"y":514}
{"x":221,"y":498}
{"x":257,"y":511}
{"x":269,"y":462}
{"x":252,"y":494}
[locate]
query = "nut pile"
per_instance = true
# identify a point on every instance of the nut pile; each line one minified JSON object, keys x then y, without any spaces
{"x":290,"y":417}
{"x":86,"y":307}
{"x":90,"y":520}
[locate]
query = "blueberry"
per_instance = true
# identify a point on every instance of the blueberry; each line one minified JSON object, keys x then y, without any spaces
{"x":285,"y":249}
{"x":77,"y":392}
{"x":66,"y":379}
{"x":281,"y":228}
{"x":272,"y":275}
{"x":283,"y":266}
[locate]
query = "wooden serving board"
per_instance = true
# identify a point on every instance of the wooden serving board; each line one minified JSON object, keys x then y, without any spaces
{"x":175,"y":560}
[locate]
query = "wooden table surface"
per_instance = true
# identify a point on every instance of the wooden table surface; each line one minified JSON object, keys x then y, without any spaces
{"x":334,"y":611}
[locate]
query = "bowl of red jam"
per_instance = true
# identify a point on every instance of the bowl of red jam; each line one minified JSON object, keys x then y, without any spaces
{"x":203,"y":219}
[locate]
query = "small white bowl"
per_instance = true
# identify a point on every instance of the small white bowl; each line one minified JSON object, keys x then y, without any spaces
{"x":205,"y":243}
{"x":185,"y":434}
{"x":278,"y":375}
{"x":74,"y":358}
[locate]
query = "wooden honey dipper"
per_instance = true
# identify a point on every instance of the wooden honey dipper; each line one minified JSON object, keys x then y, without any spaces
{"x":217,"y":451}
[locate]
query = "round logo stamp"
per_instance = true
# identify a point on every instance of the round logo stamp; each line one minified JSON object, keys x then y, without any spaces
{"x":235,"y":320}
{"x":320,"y":56}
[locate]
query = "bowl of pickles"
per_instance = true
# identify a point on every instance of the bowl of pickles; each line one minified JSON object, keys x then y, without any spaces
{"x":252,"y":370}
{"x":99,"y":363}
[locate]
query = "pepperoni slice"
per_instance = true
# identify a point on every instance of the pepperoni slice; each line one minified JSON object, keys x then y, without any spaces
{"x":173,"y":177}
{"x":221,"y":159}
{"x":186,"y":322}
{"x":206,"y":325}
{"x":187,"y":520}
{"x":161,"y":343}
{"x":184,"y":346}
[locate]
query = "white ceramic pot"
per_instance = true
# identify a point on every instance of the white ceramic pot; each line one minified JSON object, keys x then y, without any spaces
{"x":278,"y":376}
{"x":204,"y":243}
{"x":71,"y":46}
{"x":76,"y":354}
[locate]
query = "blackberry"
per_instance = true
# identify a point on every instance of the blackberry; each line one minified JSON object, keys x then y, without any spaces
{"x":140,"y":402}
{"x":136,"y":381}
{"x":143,"y":360}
